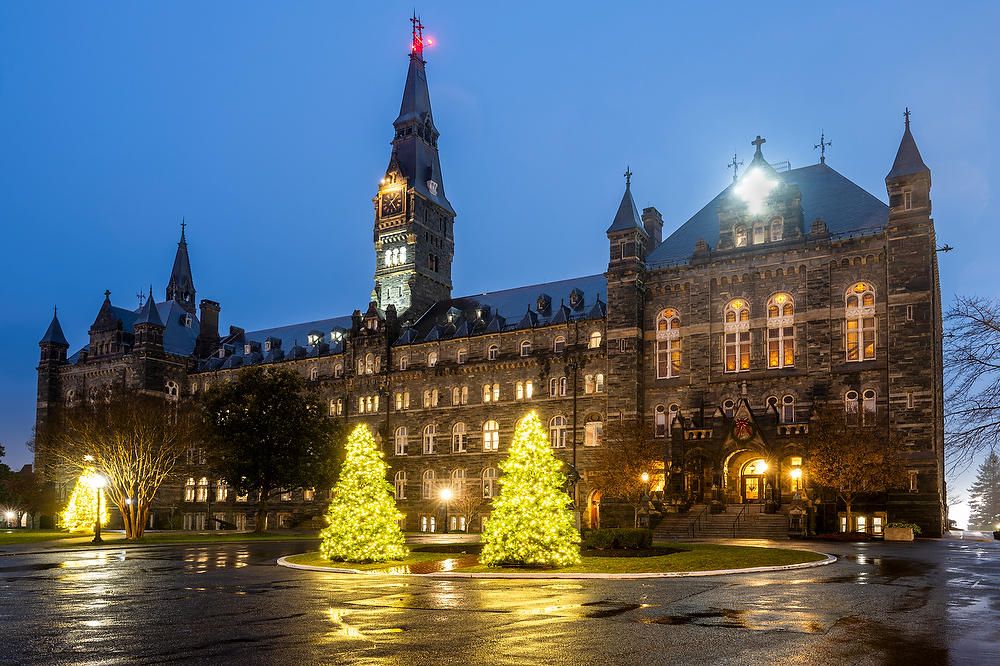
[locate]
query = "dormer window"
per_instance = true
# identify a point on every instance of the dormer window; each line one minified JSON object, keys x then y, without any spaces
{"x":222,"y":353}
{"x":267,"y":345}
{"x":313,"y":339}
{"x":186,"y":320}
{"x":246,"y":349}
{"x":432,"y":359}
{"x":526,"y":348}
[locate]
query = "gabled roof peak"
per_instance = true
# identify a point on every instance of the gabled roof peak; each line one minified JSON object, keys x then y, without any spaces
{"x":627,"y":216}
{"x":148,"y":314}
{"x":908,"y":161}
{"x":54,"y":333}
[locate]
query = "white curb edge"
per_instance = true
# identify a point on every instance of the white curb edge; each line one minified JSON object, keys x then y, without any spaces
{"x":830,"y":559}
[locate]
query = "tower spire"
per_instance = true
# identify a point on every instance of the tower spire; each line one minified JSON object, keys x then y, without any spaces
{"x":180,"y":286}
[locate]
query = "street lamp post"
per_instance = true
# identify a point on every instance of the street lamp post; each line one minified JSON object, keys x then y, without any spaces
{"x":9,"y":516}
{"x":446,"y":497}
{"x":645,"y":496}
{"x":97,"y":482}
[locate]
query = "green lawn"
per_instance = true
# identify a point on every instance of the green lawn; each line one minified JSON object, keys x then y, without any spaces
{"x":183,"y":537}
{"x":26,"y":536}
{"x":679,"y":557}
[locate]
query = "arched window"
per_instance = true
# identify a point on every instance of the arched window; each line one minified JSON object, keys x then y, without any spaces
{"x":427,"y":484}
{"x":400,"y":484}
{"x":668,"y":344}
{"x":595,"y":340}
{"x":737,"y":336}
{"x":529,"y":389}
{"x":173,"y":390}
{"x":491,"y":436}
{"x":776,"y":229}
{"x":462,"y":355}
{"x":338,"y":370}
{"x":487,"y":393}
{"x":562,"y":386}
{"x":489,"y":482}
{"x":780,"y":331}
{"x":526,"y":348}
{"x":588,"y":383}
{"x":851,"y":407}
{"x":459,"y":438}
{"x":599,"y":382}
{"x":519,"y":391}
{"x":496,"y":392}
{"x":659,"y":421}
{"x":728,"y":408}
{"x":430,"y":438}
{"x":557,"y":432}
{"x":189,"y":490}
{"x":788,"y":409}
{"x":553,"y":387}
{"x":859,"y":322}
{"x":758,"y":233}
{"x":427,"y":398}
{"x":432,"y":359}
{"x":203,"y":489}
{"x":457,"y":482}
{"x":400,"y":441}
{"x":333,"y":406}
{"x":672,"y":415}
{"x":369,"y":364}
{"x":593,"y":430}
{"x":493,"y":353}
{"x":740,"y":236}
{"x":868,"y":406}
{"x":559,"y":344}
{"x":404,"y":362}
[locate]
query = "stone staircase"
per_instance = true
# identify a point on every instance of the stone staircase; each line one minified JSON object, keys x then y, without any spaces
{"x":698,"y":523}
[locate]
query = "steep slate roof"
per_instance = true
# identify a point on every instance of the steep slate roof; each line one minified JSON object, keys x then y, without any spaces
{"x":180,"y":281}
{"x":627,"y":216}
{"x":297,"y":333}
{"x":54,"y":333}
{"x":908,"y":161}
{"x":148,"y":313}
{"x":177,"y":338}
{"x":842,"y":204}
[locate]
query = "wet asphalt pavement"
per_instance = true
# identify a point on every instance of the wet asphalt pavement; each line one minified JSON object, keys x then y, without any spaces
{"x":923,"y":603}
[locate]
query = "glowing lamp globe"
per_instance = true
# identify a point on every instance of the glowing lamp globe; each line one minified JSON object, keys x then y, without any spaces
{"x":446,"y":494}
{"x":96,"y":481}
{"x":9,"y":515}
{"x":761,"y":467}
{"x":796,"y":473}
{"x":645,"y":477}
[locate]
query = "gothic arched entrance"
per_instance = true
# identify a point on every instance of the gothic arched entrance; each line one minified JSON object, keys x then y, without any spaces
{"x":594,"y":509}
{"x":752,"y":481}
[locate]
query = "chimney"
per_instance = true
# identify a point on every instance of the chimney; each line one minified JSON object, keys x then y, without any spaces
{"x":652,"y":221}
{"x":208,"y":334}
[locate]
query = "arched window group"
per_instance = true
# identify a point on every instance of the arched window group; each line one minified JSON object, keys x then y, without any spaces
{"x":737,"y":336}
{"x":860,"y":322}
{"x":668,"y":344}
{"x":491,"y":392}
{"x":400,"y":441}
{"x":430,"y":438}
{"x":780,"y":331}
{"x":557,"y":432}
{"x":459,"y":438}
{"x":524,"y":390}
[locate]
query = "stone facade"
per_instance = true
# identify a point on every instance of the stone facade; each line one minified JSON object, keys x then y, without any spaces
{"x":814,"y":292}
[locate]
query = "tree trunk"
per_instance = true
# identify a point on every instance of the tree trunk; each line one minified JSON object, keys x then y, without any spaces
{"x":635,"y":516}
{"x":850,"y":523}
{"x":261,"y":526}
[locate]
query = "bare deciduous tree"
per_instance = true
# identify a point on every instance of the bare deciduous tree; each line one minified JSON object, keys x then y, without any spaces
{"x":972,"y":378}
{"x":134,"y":440}
{"x":852,"y":460}
{"x":629,"y":450}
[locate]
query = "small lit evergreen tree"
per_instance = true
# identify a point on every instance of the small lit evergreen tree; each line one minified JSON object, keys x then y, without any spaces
{"x":364,"y":522}
{"x":81,"y":510}
{"x":531,"y":522}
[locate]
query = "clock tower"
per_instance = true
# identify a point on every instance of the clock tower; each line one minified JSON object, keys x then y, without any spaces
{"x":414,"y":222}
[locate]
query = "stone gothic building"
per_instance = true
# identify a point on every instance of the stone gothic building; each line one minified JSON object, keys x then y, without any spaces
{"x":790,"y":290}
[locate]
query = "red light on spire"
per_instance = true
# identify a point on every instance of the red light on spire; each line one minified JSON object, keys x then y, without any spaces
{"x":417,"y":46}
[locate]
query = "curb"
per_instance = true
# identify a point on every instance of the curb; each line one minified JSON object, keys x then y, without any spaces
{"x":111,"y":545}
{"x":830,"y":559}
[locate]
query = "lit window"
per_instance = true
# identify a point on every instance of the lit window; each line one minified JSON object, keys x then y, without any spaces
{"x":457,"y":482}
{"x":557,"y":432}
{"x":427,"y":485}
{"x":737,"y":336}
{"x":740,"y":236}
{"x":562,"y":386}
{"x":202,"y":489}
{"x":780,"y":332}
{"x":588,"y":384}
{"x":861,"y":523}
{"x":860,"y":322}
{"x":593,"y":431}
{"x":877,"y":525}
{"x":459,"y":438}
{"x":496,"y":392}
{"x":595,"y":340}
{"x":526,"y":348}
{"x":668,"y":344}
{"x":173,"y":390}
{"x":489,"y":482}
{"x":559,"y":344}
{"x":529,"y":389}
{"x":487,"y":393}
{"x":491,"y":436}
{"x":519,"y":391}
{"x":338,"y":370}
{"x":400,"y":441}
{"x":430,"y":438}
{"x":333,"y":407}
{"x":432,"y":359}
{"x":462,"y":355}
{"x":599,"y":383}
{"x":286,"y":496}
{"x":399,"y":482}
{"x":788,"y":409}
{"x":427,"y":398}
{"x":493,"y":353}
{"x":188,"y":490}
{"x":308,"y":494}
{"x":868,"y":407}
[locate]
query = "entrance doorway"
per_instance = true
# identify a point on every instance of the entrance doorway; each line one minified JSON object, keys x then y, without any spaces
{"x":594,"y":509}
{"x":752,"y":481}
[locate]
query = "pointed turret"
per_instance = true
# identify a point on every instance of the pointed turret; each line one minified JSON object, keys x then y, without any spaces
{"x":54,"y":333}
{"x":627,"y":216}
{"x":148,"y":329}
{"x":180,"y":286}
{"x":629,"y":240}
{"x":148,"y":314}
{"x":107,"y":335}
{"x":909,"y":182}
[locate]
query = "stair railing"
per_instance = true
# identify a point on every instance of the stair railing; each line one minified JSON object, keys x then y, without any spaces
{"x":738,"y":516}
{"x":695,"y":525}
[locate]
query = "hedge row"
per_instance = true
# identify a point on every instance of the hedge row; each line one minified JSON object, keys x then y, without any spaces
{"x":623,"y":538}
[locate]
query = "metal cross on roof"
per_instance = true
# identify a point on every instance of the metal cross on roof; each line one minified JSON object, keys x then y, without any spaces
{"x":823,"y":143}
{"x":418,"y":36}
{"x":757,"y":142}
{"x":141,"y":296}
{"x":735,"y":166}
{"x":906,"y":116}
{"x":628,"y":177}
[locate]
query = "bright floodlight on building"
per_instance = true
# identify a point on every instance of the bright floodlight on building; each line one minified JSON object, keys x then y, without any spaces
{"x":9,"y":515}
{"x":645,"y":477}
{"x":754,"y":188}
{"x":796,"y":473}
{"x":446,"y":494}
{"x":761,"y":467}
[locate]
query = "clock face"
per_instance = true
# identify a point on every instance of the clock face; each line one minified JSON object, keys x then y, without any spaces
{"x":392,"y":202}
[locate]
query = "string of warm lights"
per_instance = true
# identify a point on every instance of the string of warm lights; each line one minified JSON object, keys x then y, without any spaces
{"x":363,"y":520}
{"x":81,"y":510}
{"x":531,"y":522}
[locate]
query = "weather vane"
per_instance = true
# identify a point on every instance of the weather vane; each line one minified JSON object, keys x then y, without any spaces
{"x":735,"y":166}
{"x":628,"y":177}
{"x":823,"y":143}
{"x":141,"y":296}
{"x":419,"y":42}
{"x":906,"y":116}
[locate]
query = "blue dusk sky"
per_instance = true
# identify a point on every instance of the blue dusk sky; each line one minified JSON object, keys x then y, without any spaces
{"x":267,"y":126}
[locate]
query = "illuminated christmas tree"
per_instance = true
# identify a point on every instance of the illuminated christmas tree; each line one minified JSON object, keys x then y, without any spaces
{"x":531,"y":522}
{"x":364,"y":522}
{"x":81,"y":510}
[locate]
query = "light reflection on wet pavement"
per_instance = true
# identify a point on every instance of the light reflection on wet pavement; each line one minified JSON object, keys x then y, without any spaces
{"x":921,"y":603}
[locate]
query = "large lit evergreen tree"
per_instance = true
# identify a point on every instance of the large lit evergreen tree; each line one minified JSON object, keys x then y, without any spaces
{"x":531,"y":522}
{"x":985,"y":495}
{"x":364,"y":522}
{"x":81,"y":510}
